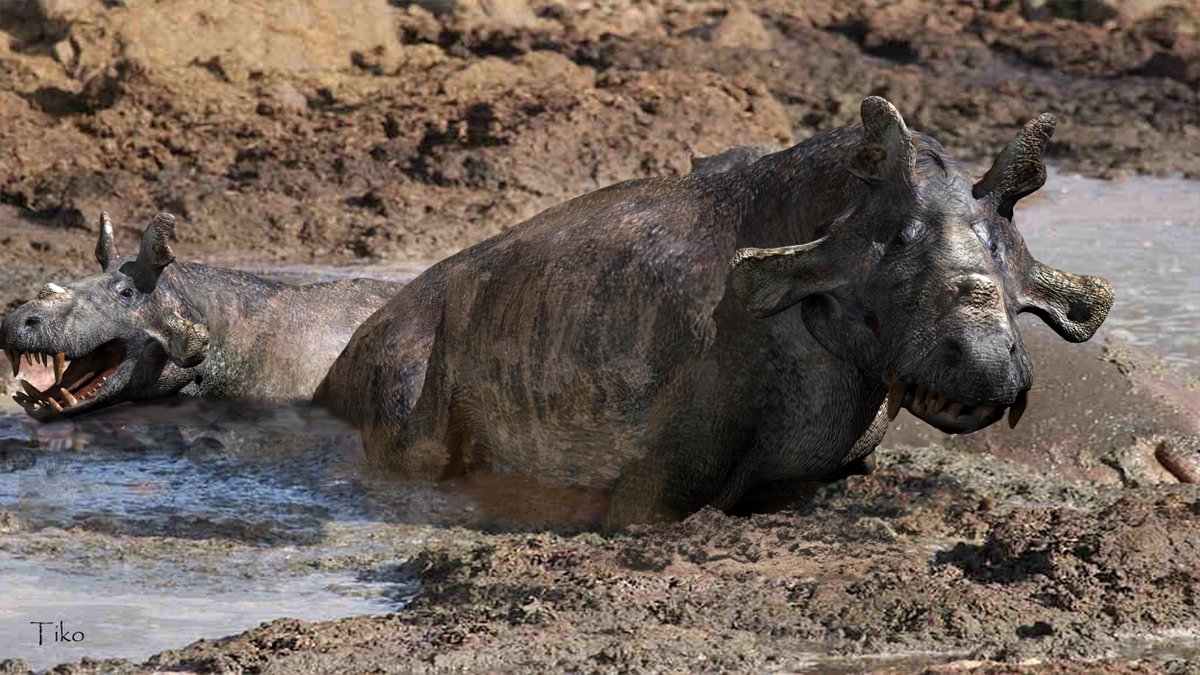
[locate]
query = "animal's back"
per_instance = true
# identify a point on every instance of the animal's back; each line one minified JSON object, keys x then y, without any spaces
{"x":282,"y":349}
{"x":550,"y":340}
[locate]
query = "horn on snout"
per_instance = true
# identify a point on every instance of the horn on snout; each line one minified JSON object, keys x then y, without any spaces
{"x":886,"y":150}
{"x":106,"y":245}
{"x":1019,"y":170}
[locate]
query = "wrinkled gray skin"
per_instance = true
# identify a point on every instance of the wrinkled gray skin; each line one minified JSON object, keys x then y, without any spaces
{"x":733,"y":158}
{"x":158,"y":327}
{"x":606,"y":344}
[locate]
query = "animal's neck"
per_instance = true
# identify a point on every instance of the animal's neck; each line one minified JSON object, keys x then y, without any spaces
{"x":227,"y":301}
{"x":791,"y":194}
{"x":220,"y":291}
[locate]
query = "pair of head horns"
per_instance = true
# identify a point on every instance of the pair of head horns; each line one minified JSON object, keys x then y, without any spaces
{"x":887,"y":152}
{"x":768,"y":281}
{"x":155,"y":251}
{"x":185,"y":341}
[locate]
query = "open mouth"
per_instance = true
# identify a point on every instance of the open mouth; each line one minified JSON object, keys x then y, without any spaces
{"x":76,"y":381}
{"x":951,"y":416}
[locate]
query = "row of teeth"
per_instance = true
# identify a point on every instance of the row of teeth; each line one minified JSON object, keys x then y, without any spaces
{"x":35,"y":398}
{"x":926,"y":400}
{"x":59,"y":360}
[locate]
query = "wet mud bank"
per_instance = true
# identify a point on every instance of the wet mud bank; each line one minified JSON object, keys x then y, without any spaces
{"x":350,"y":140}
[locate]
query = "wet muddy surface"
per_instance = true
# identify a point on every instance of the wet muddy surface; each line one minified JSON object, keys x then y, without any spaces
{"x":152,"y":526}
{"x":325,"y":140}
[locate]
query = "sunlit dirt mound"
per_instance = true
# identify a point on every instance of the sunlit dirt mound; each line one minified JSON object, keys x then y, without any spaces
{"x":320,"y":129}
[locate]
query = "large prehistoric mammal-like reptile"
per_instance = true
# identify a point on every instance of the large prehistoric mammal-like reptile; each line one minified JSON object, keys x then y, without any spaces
{"x":605,"y":343}
{"x":150,"y":326}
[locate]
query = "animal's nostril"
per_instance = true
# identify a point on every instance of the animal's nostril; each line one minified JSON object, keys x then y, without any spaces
{"x":33,"y":321}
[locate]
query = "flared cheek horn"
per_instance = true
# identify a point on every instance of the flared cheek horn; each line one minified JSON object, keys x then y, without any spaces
{"x":185,"y":341}
{"x":1073,"y":305}
{"x":770,"y":280}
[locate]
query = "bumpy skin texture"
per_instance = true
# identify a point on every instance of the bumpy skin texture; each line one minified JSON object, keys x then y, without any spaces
{"x":164,"y":327}
{"x":733,"y":158}
{"x":601,"y":344}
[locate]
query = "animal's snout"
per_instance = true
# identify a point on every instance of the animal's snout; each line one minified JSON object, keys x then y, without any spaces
{"x":983,"y":365}
{"x":996,"y":348}
{"x":25,"y":326}
{"x":976,"y":290}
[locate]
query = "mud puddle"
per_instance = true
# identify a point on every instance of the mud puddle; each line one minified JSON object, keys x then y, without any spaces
{"x":1142,"y":234}
{"x":150,"y":527}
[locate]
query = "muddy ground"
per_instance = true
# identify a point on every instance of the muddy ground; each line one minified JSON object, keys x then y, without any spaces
{"x":316,"y":130}
{"x":337,"y":132}
{"x":1075,"y":554}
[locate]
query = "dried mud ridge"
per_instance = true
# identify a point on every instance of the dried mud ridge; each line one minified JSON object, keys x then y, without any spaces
{"x":412,"y":129}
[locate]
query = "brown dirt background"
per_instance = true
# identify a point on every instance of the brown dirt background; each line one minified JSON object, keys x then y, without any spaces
{"x":322,"y":131}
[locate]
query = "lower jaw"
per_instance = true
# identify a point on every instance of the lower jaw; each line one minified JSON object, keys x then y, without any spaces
{"x":961,"y":424}
{"x":948,"y":416}
{"x":58,"y":402}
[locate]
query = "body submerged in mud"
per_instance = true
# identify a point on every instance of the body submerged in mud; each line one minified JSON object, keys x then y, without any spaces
{"x":150,"y":326}
{"x":604,"y":343}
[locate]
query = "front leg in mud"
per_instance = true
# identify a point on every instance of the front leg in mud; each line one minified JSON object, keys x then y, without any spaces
{"x":642,"y":494}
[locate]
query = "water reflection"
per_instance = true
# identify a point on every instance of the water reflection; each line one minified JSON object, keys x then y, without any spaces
{"x":1143,"y":234}
{"x":152,"y":526}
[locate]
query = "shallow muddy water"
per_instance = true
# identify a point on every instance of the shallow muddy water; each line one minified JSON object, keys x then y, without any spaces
{"x":150,"y":527}
{"x":1142,"y":234}
{"x":147,"y":527}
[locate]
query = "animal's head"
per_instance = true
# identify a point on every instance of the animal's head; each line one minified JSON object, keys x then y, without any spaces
{"x":121,"y":335}
{"x":920,"y":279}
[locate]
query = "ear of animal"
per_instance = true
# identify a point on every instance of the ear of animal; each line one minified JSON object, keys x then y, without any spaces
{"x":770,"y":280}
{"x":106,"y":245}
{"x":1074,"y":306}
{"x":886,"y":150}
{"x":186,"y":341}
{"x":1019,"y":170}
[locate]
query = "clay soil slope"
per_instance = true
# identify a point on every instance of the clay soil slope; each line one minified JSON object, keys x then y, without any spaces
{"x":324,"y":130}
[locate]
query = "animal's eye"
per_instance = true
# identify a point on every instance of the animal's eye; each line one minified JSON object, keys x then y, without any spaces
{"x":983,"y":230}
{"x":910,"y":232}
{"x":126,"y":293}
